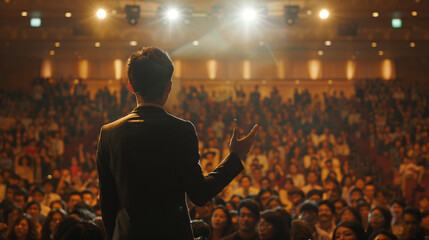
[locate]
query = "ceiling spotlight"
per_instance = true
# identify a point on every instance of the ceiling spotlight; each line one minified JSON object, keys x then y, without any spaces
{"x":101,"y":13}
{"x":381,"y":53}
{"x":195,"y":43}
{"x":172,"y":14}
{"x":133,"y":43}
{"x":52,"y":52}
{"x":375,"y":14}
{"x":396,"y":23}
{"x":324,"y":14}
{"x":414,"y":13}
{"x":320,"y":52}
{"x":57,"y":44}
{"x":68,"y":14}
{"x":24,"y":14}
{"x":97,"y":44}
{"x":249,"y":14}
{"x":373,"y":44}
{"x":35,"y":22}
{"x":412,"y":44}
{"x":328,"y":43}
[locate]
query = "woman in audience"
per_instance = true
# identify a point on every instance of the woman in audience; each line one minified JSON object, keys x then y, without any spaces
{"x":33,"y":209}
{"x":379,"y":218}
{"x":52,"y":220}
{"x":349,"y":230}
{"x":220,"y":223}
{"x":382,"y":234}
{"x":350,"y":214}
{"x":271,"y":226}
{"x":23,"y":229}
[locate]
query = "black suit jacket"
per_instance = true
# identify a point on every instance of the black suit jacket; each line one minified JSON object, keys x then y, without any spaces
{"x":146,"y":163}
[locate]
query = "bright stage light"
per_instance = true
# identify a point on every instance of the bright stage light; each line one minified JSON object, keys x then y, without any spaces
{"x":375,"y":14}
{"x":373,"y":44}
{"x":35,"y":22}
{"x":68,"y":14}
{"x":412,"y":44}
{"x":57,"y":44}
{"x":396,"y":23}
{"x":195,"y":43}
{"x":249,"y":14}
{"x":172,"y":14}
{"x":133,"y":43}
{"x":97,"y":44}
{"x":324,"y":14}
{"x":24,"y":14}
{"x":328,"y":43}
{"x":101,"y":13}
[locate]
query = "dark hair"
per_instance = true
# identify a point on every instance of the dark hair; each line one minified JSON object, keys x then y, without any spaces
{"x":32,"y":231}
{"x":64,"y":204}
{"x":413,"y":211}
{"x":355,"y":213}
{"x":399,"y":201}
{"x":387,"y":218}
{"x":87,"y":191}
{"x":46,"y":232}
{"x":245,"y":176}
{"x":21,"y":192}
{"x":354,"y":226}
{"x":218,"y":201}
{"x":228,"y":228}
{"x":384,"y":232}
{"x":200,"y":229}
{"x":39,"y":189}
{"x":328,"y":203}
{"x":273,"y":217}
{"x":249,"y":204}
{"x":309,"y":205}
{"x":72,"y":228}
{"x":149,"y":71}
{"x":34,"y":202}
{"x":314,"y":192}
{"x":8,"y":208}
{"x":287,"y":218}
{"x":74,"y":193}
{"x":301,"y":231}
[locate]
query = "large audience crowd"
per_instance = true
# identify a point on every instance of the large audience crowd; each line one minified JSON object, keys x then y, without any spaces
{"x":322,"y":167}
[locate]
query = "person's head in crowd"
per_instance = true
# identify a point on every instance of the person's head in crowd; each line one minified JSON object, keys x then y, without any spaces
{"x":382,"y":234}
{"x":424,"y":224}
{"x":23,"y":228}
{"x":33,"y":209}
{"x":248,"y":216}
{"x":339,"y":205}
{"x":411,"y":224}
{"x":94,"y":187}
{"x":38,"y":193}
{"x":296,"y":196}
{"x":273,"y":203}
{"x":315,"y":195}
{"x":350,"y":214}
{"x":71,"y":228}
{"x":200,"y":229}
{"x":231,"y":205}
{"x":288,"y":184}
{"x":236,"y":199}
{"x":360,"y":183}
{"x":264,"y":195}
{"x":245,"y":182}
{"x":205,"y":211}
{"x":330,"y":185}
{"x":11,"y":212}
{"x":221,"y":222}
{"x":49,"y":186}
{"x":347,"y":181}
{"x":218,"y":202}
{"x":349,"y":230}
{"x":59,"y":204}
{"x":287,"y":218}
{"x":308,"y":212}
{"x":423,"y":203}
{"x":293,"y":169}
{"x":326,"y":212}
{"x":396,"y":209}
{"x":381,"y":197}
{"x":54,"y":217}
{"x":378,"y":218}
{"x":20,"y":198}
{"x":10,"y":191}
{"x":363,"y":208}
{"x":369,"y":191}
{"x":355,"y":195}
{"x":234,"y":219}
{"x":300,"y":231}
{"x":149,"y":74}
{"x":271,"y":226}
{"x":312,"y":178}
{"x":73,"y":198}
{"x":266,"y":181}
{"x":88,"y":196}
{"x":257,"y":174}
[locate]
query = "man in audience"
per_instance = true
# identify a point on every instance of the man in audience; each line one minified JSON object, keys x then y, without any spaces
{"x":73,"y":198}
{"x":308,"y":212}
{"x":412,"y":219}
{"x":326,"y":217}
{"x":248,"y":217}
{"x":246,"y":187}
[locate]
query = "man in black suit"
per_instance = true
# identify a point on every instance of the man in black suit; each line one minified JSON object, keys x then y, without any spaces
{"x":149,"y":159}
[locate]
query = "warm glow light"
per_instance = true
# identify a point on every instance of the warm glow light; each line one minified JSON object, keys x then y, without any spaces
{"x":314,"y":68}
{"x":412,"y":44}
{"x":177,"y":69}
{"x":101,"y":13}
{"x":172,"y":14}
{"x":249,"y":14}
{"x":117,"y":64}
{"x":373,"y":44}
{"x":247,"y":68}
{"x":46,"y":69}
{"x":387,"y":69}
{"x":328,"y":43}
{"x":212,"y":69}
{"x":324,"y":14}
{"x":97,"y":44}
{"x":280,"y":70}
{"x":52,"y":52}
{"x":375,"y":14}
{"x":195,"y":43}
{"x":320,"y":52}
{"x":133,"y":43}
{"x":68,"y":14}
{"x":24,"y":14}
{"x":414,"y":13}
{"x":83,"y":69}
{"x":381,"y":53}
{"x":309,"y":12}
{"x":350,"y":69}
{"x":57,"y":44}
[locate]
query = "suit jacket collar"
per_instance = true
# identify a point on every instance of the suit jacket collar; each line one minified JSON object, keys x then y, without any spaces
{"x":144,"y":108}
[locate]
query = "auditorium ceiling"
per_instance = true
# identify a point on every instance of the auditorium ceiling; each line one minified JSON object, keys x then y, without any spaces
{"x":213,"y":29}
